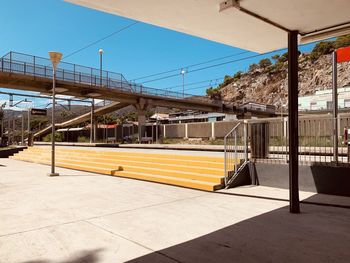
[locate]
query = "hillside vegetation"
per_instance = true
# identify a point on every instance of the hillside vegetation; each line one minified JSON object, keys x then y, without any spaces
{"x":266,"y":81}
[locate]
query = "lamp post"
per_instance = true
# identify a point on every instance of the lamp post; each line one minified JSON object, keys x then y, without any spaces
{"x":100,"y":51}
{"x":183,"y":72}
{"x":55,"y":58}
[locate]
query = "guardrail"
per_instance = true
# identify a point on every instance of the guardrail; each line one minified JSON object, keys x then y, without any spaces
{"x":233,"y":142}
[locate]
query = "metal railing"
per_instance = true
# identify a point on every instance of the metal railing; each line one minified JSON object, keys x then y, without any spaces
{"x":315,"y":140}
{"x":14,"y":62}
{"x":235,"y":143}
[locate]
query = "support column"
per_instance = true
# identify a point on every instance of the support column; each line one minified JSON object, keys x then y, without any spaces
{"x":141,"y":118}
{"x":335,"y":107}
{"x":294,"y":204}
{"x":186,"y":130}
{"x":141,"y":107}
{"x":213,"y":130}
{"x":92,"y":122}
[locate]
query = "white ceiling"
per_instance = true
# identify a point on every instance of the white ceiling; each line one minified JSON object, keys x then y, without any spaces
{"x":232,"y":27}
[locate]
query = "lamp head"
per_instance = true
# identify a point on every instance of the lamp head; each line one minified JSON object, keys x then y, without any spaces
{"x":100,"y":51}
{"x":55,"y":58}
{"x":183,"y":71}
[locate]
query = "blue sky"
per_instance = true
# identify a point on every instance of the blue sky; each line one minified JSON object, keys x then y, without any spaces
{"x":38,"y":26}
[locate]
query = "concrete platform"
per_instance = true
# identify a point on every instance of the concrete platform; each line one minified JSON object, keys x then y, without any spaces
{"x":84,"y":217}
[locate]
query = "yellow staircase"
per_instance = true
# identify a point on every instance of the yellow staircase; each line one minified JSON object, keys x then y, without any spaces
{"x":199,"y":172}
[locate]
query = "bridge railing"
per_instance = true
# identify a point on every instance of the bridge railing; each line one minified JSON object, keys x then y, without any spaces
{"x":15,"y":62}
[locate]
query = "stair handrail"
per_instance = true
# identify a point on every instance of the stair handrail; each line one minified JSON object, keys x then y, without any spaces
{"x":228,"y":153}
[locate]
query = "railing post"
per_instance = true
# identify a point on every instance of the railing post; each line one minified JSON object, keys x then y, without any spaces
{"x":11,"y":61}
{"x":245,"y":141}
{"x":34,"y":66}
{"x":235,"y":153}
{"x":91,"y":77}
{"x":107,"y":84}
{"x":225,"y":157}
{"x":24,"y":69}
{"x":74,"y":72}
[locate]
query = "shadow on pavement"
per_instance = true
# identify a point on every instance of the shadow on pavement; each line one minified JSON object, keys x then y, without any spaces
{"x":83,"y":257}
{"x":319,"y":234}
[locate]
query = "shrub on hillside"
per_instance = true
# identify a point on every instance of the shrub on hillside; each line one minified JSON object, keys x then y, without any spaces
{"x":237,"y":75}
{"x":265,"y":62}
{"x":343,"y":41}
{"x":214,"y":93}
{"x":253,"y":67}
{"x":322,"y":48}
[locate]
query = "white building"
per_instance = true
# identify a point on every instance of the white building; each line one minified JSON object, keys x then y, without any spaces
{"x":322,"y":100}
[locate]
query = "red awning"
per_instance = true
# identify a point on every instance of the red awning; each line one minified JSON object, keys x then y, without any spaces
{"x":343,"y":54}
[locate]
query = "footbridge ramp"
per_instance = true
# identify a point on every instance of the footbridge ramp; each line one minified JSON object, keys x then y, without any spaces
{"x":84,"y":117}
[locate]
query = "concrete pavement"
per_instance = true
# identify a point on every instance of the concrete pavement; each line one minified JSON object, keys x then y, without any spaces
{"x":84,"y":217}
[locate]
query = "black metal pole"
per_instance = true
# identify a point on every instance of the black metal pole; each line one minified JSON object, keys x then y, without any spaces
{"x":293,"y":55}
{"x":53,"y":123}
{"x":335,"y":107}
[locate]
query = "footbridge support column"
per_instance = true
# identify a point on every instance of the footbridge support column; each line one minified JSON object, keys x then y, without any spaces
{"x":141,"y":108}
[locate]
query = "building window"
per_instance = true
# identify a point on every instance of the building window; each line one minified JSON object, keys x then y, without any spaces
{"x":329,"y":105}
{"x":313,"y":106}
{"x":347,"y":103}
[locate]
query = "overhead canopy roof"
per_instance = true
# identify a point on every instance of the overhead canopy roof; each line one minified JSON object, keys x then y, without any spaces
{"x":231,"y":26}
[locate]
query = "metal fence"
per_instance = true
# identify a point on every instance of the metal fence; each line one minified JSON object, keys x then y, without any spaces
{"x":15,"y":62}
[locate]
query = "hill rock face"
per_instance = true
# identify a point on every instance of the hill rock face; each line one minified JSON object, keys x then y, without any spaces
{"x":270,"y":86}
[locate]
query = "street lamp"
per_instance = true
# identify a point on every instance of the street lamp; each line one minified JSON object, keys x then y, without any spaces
{"x":100,"y":51}
{"x":55,"y":58}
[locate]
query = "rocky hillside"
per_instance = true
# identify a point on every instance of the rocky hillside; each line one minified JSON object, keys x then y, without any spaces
{"x":266,"y":82}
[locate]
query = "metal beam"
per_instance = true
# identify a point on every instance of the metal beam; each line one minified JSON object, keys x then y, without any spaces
{"x":293,"y":121}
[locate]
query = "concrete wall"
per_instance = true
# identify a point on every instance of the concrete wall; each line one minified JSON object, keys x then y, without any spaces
{"x":199,"y":130}
{"x":174,"y":131}
{"x":319,"y":179}
{"x":319,"y":126}
{"x":224,"y":127}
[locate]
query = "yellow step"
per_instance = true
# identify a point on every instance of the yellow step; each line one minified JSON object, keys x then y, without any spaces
{"x":200,"y":172}
{"x":189,"y":174}
{"x":169,"y":180}
{"x":201,"y":185}
{"x":133,"y":154}
{"x":180,"y":167}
